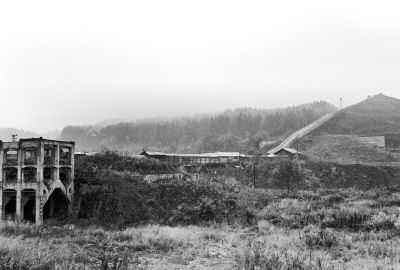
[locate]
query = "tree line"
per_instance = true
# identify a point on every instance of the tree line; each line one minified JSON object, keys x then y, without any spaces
{"x":233,"y":130}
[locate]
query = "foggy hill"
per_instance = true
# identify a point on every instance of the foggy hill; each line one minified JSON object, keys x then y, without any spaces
{"x":377,"y":115}
{"x":233,"y":130}
{"x":336,"y":140}
{"x":5,"y":134}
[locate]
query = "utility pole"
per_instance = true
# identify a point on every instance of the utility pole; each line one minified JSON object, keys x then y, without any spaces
{"x":254,"y":174}
{"x":341,"y":104}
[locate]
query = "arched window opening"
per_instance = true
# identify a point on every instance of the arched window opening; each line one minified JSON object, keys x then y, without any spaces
{"x":10,"y":204}
{"x":29,"y":174}
{"x":49,"y":155}
{"x":10,"y":174}
{"x":65,"y":176}
{"x":30,"y":210}
{"x":29,"y":156}
{"x":29,"y":205}
{"x":49,"y":173}
{"x":65,"y":156}
{"x":11,"y":157}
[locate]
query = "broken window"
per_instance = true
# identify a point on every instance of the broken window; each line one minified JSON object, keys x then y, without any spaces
{"x":11,"y":157}
{"x":49,"y":155}
{"x":48,"y":173}
{"x":30,"y":156}
{"x":29,"y":174}
{"x":65,"y":156}
{"x":11,"y":174}
{"x":65,"y":176}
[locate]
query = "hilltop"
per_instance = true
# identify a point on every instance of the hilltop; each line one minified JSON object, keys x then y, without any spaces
{"x":337,"y":139}
{"x":377,"y":115}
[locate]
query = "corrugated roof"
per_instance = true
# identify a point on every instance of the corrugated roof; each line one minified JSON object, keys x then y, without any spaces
{"x":290,"y":150}
{"x":209,"y":155}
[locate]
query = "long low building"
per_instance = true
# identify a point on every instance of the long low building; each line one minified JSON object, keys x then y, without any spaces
{"x":198,"y":159}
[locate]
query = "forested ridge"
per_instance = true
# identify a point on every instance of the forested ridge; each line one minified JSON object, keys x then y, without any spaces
{"x":233,"y":130}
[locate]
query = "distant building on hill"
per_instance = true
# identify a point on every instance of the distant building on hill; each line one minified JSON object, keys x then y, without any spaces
{"x":37,"y":179}
{"x":287,"y":152}
{"x":377,"y":141}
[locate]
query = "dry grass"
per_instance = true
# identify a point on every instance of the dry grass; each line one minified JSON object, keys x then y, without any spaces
{"x":306,"y":232}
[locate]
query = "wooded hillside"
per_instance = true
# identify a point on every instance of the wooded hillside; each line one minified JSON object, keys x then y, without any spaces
{"x":233,"y":130}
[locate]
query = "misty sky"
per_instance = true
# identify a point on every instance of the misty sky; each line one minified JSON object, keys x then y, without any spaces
{"x":79,"y":62}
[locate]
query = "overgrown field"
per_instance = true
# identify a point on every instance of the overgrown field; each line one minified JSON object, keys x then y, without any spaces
{"x":326,"y":229}
{"x":122,"y":222}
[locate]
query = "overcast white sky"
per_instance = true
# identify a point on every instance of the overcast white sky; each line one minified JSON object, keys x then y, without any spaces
{"x":79,"y":62}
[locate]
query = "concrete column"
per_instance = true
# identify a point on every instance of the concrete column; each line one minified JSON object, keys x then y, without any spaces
{"x":1,"y":180}
{"x":39,"y":190}
{"x":71,"y":195}
{"x":57,"y":161}
{"x":18,"y":203}
{"x":38,"y":209}
{"x":23,"y":202}
{"x":1,"y":160}
{"x":39,"y":162}
{"x":19,"y":166}
{"x":19,"y":184}
{"x":1,"y":203}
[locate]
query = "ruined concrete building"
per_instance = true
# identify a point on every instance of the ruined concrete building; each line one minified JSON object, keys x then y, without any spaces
{"x":37,"y":179}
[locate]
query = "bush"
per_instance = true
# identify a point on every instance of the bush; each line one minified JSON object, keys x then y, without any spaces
{"x":288,"y":175}
{"x":346,"y":217}
{"x":383,"y":221}
{"x":315,"y":238}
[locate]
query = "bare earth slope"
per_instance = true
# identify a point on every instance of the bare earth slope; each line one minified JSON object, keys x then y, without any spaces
{"x":346,"y":149}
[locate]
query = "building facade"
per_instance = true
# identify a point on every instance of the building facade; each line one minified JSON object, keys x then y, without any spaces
{"x":37,"y":179}
{"x":377,"y":141}
{"x":216,"y":158}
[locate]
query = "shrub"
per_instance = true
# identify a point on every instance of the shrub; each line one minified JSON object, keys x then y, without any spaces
{"x":383,"y":221}
{"x":254,"y":256}
{"x":346,"y":217}
{"x":288,"y":175}
{"x":291,"y":213}
{"x":315,"y":238}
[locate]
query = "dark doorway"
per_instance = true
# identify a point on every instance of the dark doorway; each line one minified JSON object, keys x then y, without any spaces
{"x":29,"y":205}
{"x":30,"y":210}
{"x":10,"y":209}
{"x":56,"y":206}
